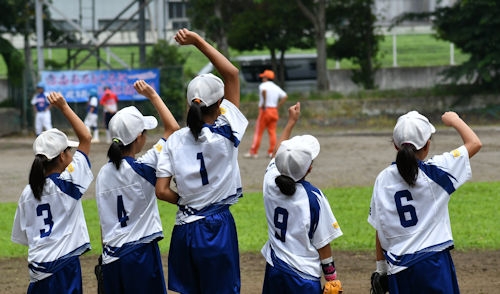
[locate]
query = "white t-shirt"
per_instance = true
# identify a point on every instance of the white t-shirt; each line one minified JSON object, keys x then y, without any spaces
{"x":273,"y":94}
{"x":206,"y":171}
{"x":413,"y":222}
{"x":54,"y":227}
{"x":298,"y":225}
{"x":127,"y":204}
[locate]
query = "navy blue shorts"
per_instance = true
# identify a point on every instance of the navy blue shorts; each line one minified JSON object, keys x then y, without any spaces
{"x":277,"y":281}
{"x":435,"y":274}
{"x":204,"y":256}
{"x":139,"y":271}
{"x":66,"y":280}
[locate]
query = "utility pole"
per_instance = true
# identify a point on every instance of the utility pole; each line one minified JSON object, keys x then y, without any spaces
{"x":142,"y":33}
{"x":39,"y":35}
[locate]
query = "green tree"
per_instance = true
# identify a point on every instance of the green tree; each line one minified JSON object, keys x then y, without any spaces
{"x":17,"y":18}
{"x":315,"y":12}
{"x":354,"y":25}
{"x":170,"y":62}
{"x":214,"y":18}
{"x":258,"y":27}
{"x":472,"y":26}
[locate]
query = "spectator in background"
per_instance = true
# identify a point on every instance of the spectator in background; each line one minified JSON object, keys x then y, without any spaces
{"x":92,"y":115}
{"x":109,"y":102}
{"x":271,"y":97}
{"x":41,"y":108}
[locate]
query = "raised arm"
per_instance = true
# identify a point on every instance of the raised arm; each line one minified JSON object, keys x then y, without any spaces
{"x":293,"y":117}
{"x":170,"y":125}
{"x":229,"y":72}
{"x":84,"y":137}
{"x":469,"y":137}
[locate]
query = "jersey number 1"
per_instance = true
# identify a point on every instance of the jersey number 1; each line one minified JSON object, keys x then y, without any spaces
{"x":203,"y":169}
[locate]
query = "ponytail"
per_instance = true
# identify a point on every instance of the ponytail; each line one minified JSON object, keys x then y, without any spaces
{"x":194,"y":119}
{"x":195,"y":116}
{"x":285,"y":184}
{"x":115,"y":152}
{"x":37,"y":174}
{"x":407,"y":163}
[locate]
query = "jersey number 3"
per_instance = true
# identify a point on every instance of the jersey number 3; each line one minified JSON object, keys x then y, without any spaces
{"x":407,"y":213}
{"x":40,"y":209}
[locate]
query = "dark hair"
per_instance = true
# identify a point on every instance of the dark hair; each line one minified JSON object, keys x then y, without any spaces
{"x":407,"y":163}
{"x":195,"y":116}
{"x":37,"y":174}
{"x":115,"y":152}
{"x":285,"y":184}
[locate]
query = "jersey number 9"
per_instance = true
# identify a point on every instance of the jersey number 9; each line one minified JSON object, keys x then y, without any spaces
{"x":280,"y":222}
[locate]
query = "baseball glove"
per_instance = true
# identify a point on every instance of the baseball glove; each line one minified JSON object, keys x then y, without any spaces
{"x":333,"y":287}
{"x":379,"y":283}
{"x":99,"y":276}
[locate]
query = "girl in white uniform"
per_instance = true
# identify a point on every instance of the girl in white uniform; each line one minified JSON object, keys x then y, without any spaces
{"x":49,"y":217}
{"x":204,"y":256}
{"x":409,"y":206}
{"x":126,"y":201}
{"x":300,"y":222}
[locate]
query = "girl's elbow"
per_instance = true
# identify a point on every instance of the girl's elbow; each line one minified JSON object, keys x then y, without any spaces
{"x":474,"y":147}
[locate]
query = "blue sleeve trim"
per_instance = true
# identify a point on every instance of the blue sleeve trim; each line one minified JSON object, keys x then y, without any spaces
{"x":313,"y":205}
{"x":86,"y":157}
{"x":439,"y":176}
{"x":69,"y":188}
{"x":143,"y":170}
{"x":224,"y":131}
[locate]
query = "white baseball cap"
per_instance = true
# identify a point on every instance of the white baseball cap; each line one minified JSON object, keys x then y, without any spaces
{"x":51,"y":143}
{"x":294,"y":156}
{"x":128,"y":123}
{"x":412,"y":128}
{"x":206,"y":87}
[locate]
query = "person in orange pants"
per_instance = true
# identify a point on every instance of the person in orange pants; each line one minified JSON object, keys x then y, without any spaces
{"x":271,"y":97}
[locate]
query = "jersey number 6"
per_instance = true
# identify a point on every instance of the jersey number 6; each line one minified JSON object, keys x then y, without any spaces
{"x":407,"y":213}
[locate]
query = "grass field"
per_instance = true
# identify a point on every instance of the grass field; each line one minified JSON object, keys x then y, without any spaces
{"x":413,"y":50}
{"x":468,"y":206}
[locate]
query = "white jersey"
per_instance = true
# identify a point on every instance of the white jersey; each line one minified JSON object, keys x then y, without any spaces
{"x":127,"y":204}
{"x":273,"y":94}
{"x":54,"y":228}
{"x":413,"y":222}
{"x":206,"y":171}
{"x":298,"y":225}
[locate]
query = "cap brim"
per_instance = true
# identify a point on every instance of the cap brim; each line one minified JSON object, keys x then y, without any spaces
{"x":73,"y":144}
{"x":307,"y":142}
{"x":150,"y":122}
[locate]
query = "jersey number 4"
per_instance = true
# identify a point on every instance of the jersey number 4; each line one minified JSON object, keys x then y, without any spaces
{"x":121,"y":212}
{"x":407,"y":213}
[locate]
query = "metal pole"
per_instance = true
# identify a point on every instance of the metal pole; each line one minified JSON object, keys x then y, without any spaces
{"x":142,"y":34}
{"x":39,"y":35}
{"x":394,"y":50}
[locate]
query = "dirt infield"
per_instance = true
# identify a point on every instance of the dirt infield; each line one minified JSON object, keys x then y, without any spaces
{"x":347,"y":158}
